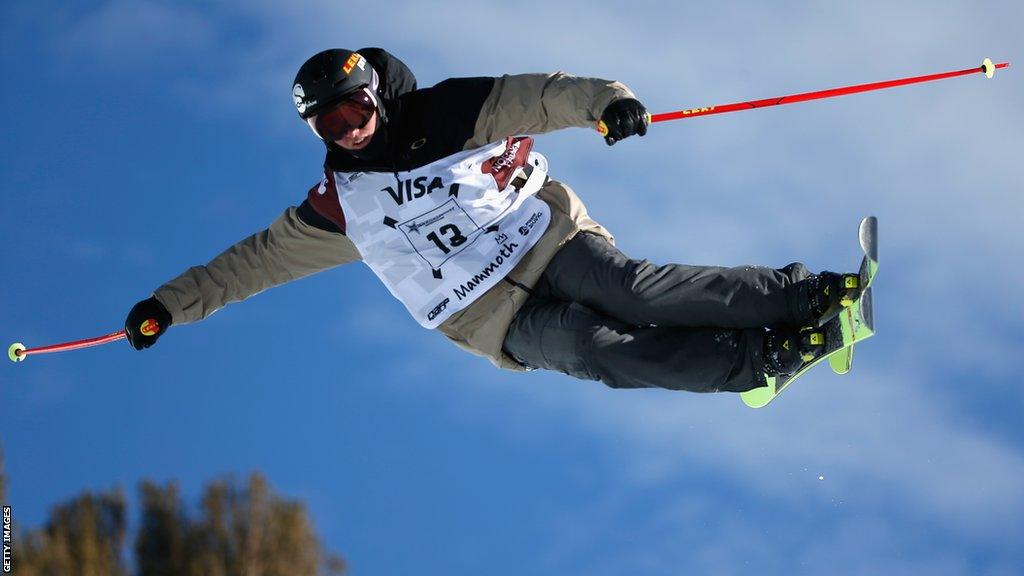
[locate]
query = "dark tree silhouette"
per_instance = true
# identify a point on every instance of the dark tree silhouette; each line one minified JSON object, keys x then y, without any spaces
{"x":238,"y":530}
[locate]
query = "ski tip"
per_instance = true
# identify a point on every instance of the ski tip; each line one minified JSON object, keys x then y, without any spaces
{"x":868,"y":226}
{"x":988,"y":68}
{"x":15,"y":352}
{"x":868,"y":234}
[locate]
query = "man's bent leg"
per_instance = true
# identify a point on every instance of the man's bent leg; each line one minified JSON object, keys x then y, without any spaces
{"x":570,"y":338}
{"x":590,"y":270}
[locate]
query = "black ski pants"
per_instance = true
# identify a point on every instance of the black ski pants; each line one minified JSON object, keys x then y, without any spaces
{"x":597,"y":315}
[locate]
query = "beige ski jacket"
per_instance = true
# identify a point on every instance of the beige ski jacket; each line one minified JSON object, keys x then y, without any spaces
{"x":302,"y":241}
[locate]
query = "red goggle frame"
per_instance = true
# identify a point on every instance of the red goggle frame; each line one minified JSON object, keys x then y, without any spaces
{"x":350,"y":114}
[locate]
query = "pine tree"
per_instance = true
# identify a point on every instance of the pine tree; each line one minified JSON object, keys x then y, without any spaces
{"x":250,"y":531}
{"x":161,"y":545}
{"x":84,"y":537}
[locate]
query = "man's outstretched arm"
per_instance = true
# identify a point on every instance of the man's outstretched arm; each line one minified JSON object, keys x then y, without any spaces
{"x":538,"y":103}
{"x":289,"y":249}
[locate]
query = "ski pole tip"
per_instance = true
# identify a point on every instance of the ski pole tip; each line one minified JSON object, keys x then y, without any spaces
{"x":15,"y":352}
{"x":988,"y":68}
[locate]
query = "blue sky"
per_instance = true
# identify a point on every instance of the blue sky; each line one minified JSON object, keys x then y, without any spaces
{"x":144,"y":137}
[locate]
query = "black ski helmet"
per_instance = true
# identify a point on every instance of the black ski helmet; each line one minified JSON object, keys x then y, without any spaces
{"x":329,"y":77}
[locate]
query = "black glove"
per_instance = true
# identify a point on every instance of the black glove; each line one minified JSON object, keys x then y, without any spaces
{"x":624,"y":118}
{"x":146,"y":322}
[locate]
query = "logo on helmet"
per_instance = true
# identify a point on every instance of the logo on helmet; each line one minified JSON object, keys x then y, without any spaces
{"x":300,"y":99}
{"x":354,"y":60}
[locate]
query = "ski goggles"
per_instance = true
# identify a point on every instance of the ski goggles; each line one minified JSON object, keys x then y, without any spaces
{"x":352,"y":113}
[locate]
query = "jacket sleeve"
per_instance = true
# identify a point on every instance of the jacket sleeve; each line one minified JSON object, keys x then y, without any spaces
{"x":538,"y":103}
{"x":288,"y":250}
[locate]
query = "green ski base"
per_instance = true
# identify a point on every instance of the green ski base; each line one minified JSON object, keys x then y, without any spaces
{"x":854,"y":324}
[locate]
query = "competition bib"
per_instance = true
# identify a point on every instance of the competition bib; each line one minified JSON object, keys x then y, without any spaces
{"x":441,"y":235}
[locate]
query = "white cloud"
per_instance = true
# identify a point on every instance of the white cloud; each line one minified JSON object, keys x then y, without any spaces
{"x":879,"y":453}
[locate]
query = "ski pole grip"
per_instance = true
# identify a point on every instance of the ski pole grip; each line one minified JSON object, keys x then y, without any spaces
{"x":602,"y":128}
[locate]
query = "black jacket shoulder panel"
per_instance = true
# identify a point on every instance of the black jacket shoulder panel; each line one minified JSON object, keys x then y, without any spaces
{"x":438,"y":121}
{"x":396,"y":78}
{"x":310,"y":216}
{"x":424,"y":125}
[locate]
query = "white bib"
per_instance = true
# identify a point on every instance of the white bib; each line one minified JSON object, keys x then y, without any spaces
{"x":443,"y":234}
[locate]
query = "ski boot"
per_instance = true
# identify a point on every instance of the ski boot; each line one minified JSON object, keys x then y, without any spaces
{"x":787,"y":350}
{"x":830,"y":293}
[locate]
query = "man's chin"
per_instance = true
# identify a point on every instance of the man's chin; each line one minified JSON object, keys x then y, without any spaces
{"x":354,"y":146}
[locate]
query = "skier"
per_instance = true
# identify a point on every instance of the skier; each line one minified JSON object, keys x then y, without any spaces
{"x":440,"y":193}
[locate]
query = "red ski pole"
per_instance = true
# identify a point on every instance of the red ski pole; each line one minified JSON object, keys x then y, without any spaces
{"x":18,"y":352}
{"x":987,"y":67}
